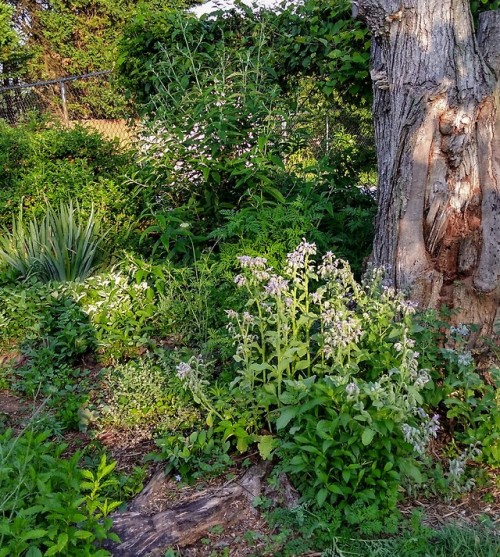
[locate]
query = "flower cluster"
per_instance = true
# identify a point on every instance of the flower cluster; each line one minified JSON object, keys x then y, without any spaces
{"x":252,"y":263}
{"x":352,"y":390}
{"x":329,"y":266}
{"x":462,"y":359}
{"x":192,"y":376}
{"x":298,"y":258}
{"x":292,"y":331}
{"x":465,"y":359}
{"x":461,"y":330}
{"x":183,"y":371}
{"x":341,"y":330}
{"x":420,"y":436}
{"x":276,"y":286}
{"x":457,"y":467}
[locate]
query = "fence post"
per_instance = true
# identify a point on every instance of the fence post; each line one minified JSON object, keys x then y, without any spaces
{"x":64,"y":104}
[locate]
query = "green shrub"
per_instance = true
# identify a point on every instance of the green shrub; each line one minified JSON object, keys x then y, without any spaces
{"x":45,"y":164}
{"x":469,"y":396}
{"x":328,"y":366}
{"x":113,"y":313}
{"x":48,"y":504}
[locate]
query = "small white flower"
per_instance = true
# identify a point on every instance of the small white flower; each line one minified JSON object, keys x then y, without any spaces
{"x":317,"y":296}
{"x":461,"y":330}
{"x":248,"y":262}
{"x":247,"y":318}
{"x":240,"y":281}
{"x":183,"y":370}
{"x":352,"y":389}
{"x":465,"y":359}
{"x":276,"y":286}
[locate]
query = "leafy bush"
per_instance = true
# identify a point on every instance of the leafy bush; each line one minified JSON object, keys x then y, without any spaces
{"x":61,"y":329}
{"x":469,"y":396}
{"x":223,"y":132}
{"x":43,"y":164}
{"x":61,"y":246}
{"x":217,"y":128}
{"x":48,"y":504}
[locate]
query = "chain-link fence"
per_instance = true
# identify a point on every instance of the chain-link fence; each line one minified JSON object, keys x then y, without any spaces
{"x":90,"y":100}
{"x":94,"y":101}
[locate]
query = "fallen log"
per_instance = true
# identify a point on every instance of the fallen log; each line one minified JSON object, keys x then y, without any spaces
{"x":186,"y":522}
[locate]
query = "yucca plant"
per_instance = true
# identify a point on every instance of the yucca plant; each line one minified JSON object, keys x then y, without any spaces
{"x":61,"y":246}
{"x":20,"y":248}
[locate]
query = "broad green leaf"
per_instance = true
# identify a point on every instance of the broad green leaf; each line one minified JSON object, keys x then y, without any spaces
{"x":367,"y":436}
{"x":287,"y":414}
{"x":34,"y":534}
{"x":266,"y":445}
{"x":321,"y":496}
{"x":33,"y":552}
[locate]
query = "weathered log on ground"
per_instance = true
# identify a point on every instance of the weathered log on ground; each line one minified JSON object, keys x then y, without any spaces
{"x":184,"y":523}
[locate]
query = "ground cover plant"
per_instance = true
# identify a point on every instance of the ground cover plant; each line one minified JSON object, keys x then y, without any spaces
{"x":50,"y":505}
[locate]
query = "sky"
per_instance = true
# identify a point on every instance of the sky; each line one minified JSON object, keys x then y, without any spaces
{"x":213,"y":5}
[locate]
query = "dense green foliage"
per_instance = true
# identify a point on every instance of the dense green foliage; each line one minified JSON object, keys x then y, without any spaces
{"x":48,"y":504}
{"x":47,"y":165}
{"x":13,"y":54}
{"x":62,"y":38}
{"x":219,"y":323}
{"x":308,"y":39}
{"x":230,"y":146}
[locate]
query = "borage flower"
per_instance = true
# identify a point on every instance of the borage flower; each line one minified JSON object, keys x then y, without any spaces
{"x":248,"y":262}
{"x":183,"y":370}
{"x":276,"y":286}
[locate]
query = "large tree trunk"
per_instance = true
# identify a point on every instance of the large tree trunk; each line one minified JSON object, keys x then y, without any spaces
{"x":437,"y":125}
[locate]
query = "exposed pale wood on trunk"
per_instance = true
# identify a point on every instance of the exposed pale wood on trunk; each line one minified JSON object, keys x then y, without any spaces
{"x":436,"y":113}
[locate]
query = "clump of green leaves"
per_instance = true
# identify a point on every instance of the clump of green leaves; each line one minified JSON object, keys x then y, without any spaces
{"x":198,"y":455}
{"x":61,"y":246}
{"x":48,"y":504}
{"x":144,"y":391}
{"x":469,"y":396}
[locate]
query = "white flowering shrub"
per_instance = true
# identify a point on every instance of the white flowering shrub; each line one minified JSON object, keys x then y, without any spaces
{"x":120,"y":309}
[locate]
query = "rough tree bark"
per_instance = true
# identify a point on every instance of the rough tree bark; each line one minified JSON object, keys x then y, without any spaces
{"x":437,"y":125}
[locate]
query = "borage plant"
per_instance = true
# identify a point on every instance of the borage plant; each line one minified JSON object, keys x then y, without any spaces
{"x":331,"y":366}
